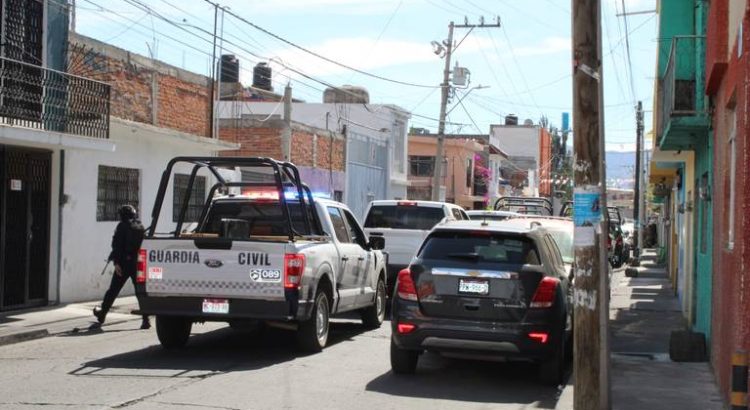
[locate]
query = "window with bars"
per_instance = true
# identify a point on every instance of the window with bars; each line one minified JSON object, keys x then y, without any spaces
{"x":117,"y":187}
{"x":196,"y":200}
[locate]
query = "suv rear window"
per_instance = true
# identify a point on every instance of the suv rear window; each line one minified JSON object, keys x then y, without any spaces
{"x":403,"y":217}
{"x":482,"y":246}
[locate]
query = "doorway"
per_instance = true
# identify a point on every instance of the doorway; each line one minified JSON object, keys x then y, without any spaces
{"x":24,"y":227}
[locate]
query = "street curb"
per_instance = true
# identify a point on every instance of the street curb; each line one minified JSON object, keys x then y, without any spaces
{"x":23,"y":336}
{"x":565,"y":400}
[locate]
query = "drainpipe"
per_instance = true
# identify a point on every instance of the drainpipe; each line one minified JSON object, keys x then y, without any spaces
{"x":60,"y":203}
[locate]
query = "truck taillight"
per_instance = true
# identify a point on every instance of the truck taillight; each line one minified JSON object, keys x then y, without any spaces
{"x":140,"y":267}
{"x":405,"y":288}
{"x":544,"y":297}
{"x":294,"y":266}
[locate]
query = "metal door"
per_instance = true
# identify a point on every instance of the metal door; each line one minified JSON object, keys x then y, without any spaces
{"x":24,"y":227}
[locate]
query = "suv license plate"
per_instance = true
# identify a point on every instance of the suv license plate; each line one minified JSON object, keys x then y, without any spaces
{"x":215,"y":306}
{"x":474,"y":286}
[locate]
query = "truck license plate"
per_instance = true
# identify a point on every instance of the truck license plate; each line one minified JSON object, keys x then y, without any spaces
{"x":473,"y":286}
{"x":215,"y":306}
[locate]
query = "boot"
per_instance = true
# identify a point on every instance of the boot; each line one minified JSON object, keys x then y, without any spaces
{"x":145,"y":324}
{"x":100,"y":314}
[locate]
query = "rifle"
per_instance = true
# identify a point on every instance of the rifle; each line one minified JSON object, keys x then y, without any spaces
{"x":105,"y":267}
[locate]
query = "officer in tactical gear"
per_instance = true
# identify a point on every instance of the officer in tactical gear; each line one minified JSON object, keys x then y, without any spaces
{"x":125,"y":245}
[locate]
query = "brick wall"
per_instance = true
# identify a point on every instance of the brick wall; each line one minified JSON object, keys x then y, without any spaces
{"x":265,"y":141}
{"x":730,"y":324}
{"x":182,"y":98}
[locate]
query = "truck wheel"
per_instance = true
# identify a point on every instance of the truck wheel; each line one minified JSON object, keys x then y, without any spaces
{"x":312,"y":334}
{"x":373,"y":316}
{"x":403,"y":361}
{"x":173,"y":331}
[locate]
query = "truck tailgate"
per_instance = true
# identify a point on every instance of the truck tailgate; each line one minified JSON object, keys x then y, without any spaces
{"x":251,"y":270}
{"x":400,"y":244}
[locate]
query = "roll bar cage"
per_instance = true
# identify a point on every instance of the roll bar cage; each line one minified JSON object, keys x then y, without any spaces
{"x":280,"y":169}
{"x":505,"y":202}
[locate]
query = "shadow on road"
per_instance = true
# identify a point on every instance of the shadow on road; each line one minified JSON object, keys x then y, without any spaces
{"x":219,"y":351}
{"x":471,"y":381}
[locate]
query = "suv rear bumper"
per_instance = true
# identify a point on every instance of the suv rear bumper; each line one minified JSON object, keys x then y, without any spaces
{"x":192,"y":307}
{"x":510,"y":341}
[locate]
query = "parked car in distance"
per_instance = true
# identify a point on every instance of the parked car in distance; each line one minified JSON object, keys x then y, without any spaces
{"x":484,"y":290}
{"x":485,"y":215}
{"x":404,"y":225}
{"x":561,"y":230}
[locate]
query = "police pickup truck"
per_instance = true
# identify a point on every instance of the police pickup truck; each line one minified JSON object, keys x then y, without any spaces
{"x":261,"y":252}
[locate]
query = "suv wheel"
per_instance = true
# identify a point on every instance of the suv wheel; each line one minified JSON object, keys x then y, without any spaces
{"x":312,"y":334}
{"x":373,"y":316}
{"x":173,"y":331}
{"x":552,"y":371}
{"x":403,"y":361}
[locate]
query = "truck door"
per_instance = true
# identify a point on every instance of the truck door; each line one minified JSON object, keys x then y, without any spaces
{"x":348,"y":262}
{"x":363,"y":276}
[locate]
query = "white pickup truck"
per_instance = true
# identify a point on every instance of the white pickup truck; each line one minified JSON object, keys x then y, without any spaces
{"x":260,"y":252}
{"x":405,"y":225}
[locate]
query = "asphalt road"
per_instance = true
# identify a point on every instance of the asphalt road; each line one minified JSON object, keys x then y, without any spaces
{"x":122,"y":367}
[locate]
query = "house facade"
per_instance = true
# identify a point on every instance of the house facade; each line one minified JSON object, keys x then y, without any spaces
{"x":84,"y":128}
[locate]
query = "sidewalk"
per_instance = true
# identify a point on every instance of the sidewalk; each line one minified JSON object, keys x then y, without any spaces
{"x":48,"y":321}
{"x":643,"y":311}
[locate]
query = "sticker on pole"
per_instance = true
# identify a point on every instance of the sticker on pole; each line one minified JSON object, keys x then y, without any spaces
{"x":587,"y":213}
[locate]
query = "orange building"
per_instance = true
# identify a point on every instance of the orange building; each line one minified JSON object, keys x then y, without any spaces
{"x":457,"y":182}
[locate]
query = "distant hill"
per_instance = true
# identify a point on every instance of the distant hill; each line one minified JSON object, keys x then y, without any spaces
{"x":620,"y":168}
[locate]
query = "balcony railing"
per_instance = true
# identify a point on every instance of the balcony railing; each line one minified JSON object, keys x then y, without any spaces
{"x":678,"y":97}
{"x":36,"y":97}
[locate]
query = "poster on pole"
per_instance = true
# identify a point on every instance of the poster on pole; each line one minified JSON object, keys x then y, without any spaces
{"x":587,"y":213}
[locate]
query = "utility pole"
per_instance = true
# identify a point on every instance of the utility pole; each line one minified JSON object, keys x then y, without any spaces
{"x":73,"y":16}
{"x":220,"y":70}
{"x":286,"y":136}
{"x":445,"y":92}
{"x":638,"y":174}
{"x":445,"y":89}
{"x":213,"y":77}
{"x":591,"y":290}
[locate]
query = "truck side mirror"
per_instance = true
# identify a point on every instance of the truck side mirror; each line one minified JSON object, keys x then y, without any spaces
{"x":377,"y":243}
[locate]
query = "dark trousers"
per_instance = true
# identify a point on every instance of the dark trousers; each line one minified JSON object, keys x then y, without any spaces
{"x":118,"y":281}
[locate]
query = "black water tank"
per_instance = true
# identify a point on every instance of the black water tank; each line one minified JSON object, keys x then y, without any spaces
{"x":511,"y":119}
{"x":262,"y":77}
{"x":230,"y":69}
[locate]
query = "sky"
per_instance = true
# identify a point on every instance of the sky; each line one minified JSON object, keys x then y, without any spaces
{"x":523,"y":67}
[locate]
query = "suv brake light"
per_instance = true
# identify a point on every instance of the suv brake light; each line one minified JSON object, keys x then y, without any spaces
{"x":406,"y":289}
{"x":544,"y":297}
{"x":294,"y":266}
{"x":140,"y":267}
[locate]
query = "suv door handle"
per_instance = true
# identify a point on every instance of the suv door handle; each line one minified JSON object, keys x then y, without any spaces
{"x":344,"y":258}
{"x":361,"y":258}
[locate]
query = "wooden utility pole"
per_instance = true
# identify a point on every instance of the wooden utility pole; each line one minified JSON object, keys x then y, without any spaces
{"x":591,"y":291}
{"x":638,"y":174}
{"x":286,"y":135}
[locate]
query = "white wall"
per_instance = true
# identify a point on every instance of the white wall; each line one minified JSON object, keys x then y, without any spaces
{"x":86,"y":242}
{"x":517,"y":140}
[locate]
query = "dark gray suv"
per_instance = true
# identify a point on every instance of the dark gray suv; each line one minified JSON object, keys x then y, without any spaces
{"x":481,"y":289}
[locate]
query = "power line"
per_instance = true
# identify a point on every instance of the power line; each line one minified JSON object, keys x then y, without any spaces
{"x":627,"y":48}
{"x":518,"y":67}
{"x":285,"y":41}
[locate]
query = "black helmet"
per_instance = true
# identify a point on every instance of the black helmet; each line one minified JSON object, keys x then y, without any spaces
{"x":127,"y":212}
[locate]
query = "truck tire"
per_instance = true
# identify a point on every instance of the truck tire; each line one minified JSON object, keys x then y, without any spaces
{"x":373,"y":316}
{"x":403,"y":361}
{"x":312,"y":334}
{"x":173,"y":331}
